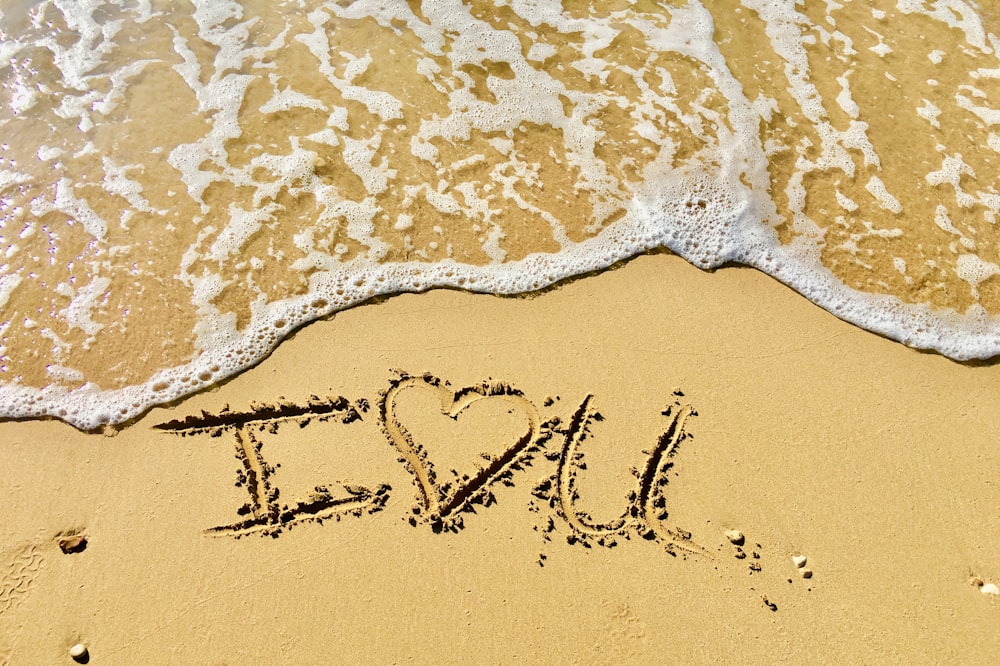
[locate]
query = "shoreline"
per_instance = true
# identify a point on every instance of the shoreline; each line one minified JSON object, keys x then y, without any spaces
{"x":105,"y":402}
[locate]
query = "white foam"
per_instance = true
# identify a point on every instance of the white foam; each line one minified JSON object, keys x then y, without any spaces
{"x":242,"y":225}
{"x":974,"y":270}
{"x":63,"y":374}
{"x":79,"y":312}
{"x":9,"y":178}
{"x":881,"y":49}
{"x":8,"y":283}
{"x":23,"y":98}
{"x":77,"y":209}
{"x":877,"y":189}
{"x":987,"y":114}
{"x":930,"y":113}
{"x":951,"y":172}
{"x":116,"y":181}
{"x":540,"y":52}
{"x":714,"y":206}
{"x":286,"y":99}
{"x":845,"y":100}
{"x":846,"y":202}
{"x":953,"y":13}
{"x":46,"y":153}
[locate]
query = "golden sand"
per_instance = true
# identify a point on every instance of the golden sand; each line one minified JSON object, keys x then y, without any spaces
{"x":809,"y":436}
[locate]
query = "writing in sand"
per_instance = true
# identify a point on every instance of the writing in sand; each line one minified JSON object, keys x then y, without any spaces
{"x":443,"y":500}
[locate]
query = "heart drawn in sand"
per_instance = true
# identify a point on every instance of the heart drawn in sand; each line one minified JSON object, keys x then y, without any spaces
{"x":441,"y":502}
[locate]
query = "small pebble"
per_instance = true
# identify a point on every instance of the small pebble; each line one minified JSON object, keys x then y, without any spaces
{"x":799,"y":560}
{"x":990,"y":588}
{"x":78,"y":652}
{"x":735,"y":537}
{"x":73,"y":543}
{"x":806,"y":573}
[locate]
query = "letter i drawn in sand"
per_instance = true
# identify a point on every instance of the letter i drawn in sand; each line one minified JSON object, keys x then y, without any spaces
{"x":264,"y":514}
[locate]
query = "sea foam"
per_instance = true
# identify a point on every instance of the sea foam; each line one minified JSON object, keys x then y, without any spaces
{"x":193,"y":185}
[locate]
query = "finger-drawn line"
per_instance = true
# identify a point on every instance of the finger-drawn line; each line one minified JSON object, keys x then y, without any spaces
{"x":264,"y":514}
{"x":652,"y":500}
{"x":256,"y":474}
{"x":268,"y":517}
{"x":570,"y":463}
{"x":338,"y":407}
{"x":320,"y":506}
{"x":646,"y":505}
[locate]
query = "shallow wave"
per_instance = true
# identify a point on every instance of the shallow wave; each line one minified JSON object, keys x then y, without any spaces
{"x":179,"y":191}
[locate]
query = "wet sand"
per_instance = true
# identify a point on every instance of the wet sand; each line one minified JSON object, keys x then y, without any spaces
{"x":307,"y":511}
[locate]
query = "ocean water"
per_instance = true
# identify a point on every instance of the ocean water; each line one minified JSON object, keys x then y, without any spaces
{"x":182,"y":184}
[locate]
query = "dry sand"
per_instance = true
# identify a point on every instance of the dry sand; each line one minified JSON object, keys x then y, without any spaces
{"x":811,"y":437}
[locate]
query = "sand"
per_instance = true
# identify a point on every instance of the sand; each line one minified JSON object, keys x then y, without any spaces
{"x":740,"y":405}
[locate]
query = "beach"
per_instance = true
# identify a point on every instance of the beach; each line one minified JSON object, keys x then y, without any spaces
{"x":499,"y":331}
{"x":807,"y":435}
